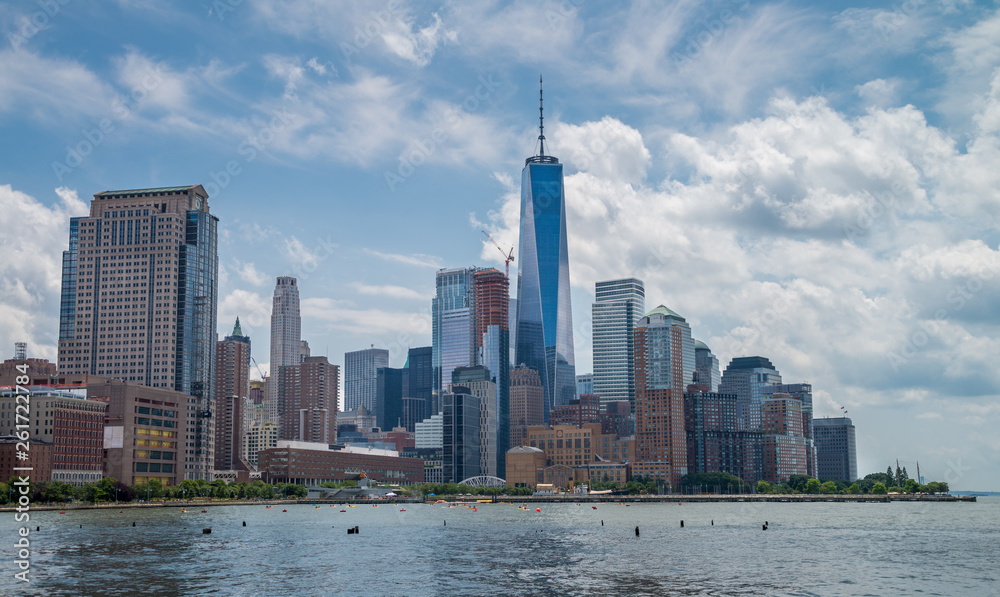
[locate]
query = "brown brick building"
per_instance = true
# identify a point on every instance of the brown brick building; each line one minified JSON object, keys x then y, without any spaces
{"x":310,"y":391}
{"x":527,"y":404}
{"x":310,"y":464}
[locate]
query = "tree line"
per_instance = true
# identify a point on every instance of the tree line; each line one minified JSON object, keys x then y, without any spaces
{"x":111,"y":490}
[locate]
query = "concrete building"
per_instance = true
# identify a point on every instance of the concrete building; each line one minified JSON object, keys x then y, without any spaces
{"x":574,"y":454}
{"x":617,"y":418}
{"x":527,"y":401}
{"x":429,"y":433}
{"x":142,"y":432}
{"x":492,"y":302}
{"x":618,"y":307}
{"x":286,"y":341}
{"x":361,"y":377}
{"x":836,"y":451}
{"x":664,"y":364}
{"x":38,"y":463}
{"x":139,"y":301}
{"x":523,"y":465}
{"x":259,"y":436}
{"x":310,"y":391}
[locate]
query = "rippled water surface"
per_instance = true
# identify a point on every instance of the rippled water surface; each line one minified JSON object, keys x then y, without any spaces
{"x":809,"y":549}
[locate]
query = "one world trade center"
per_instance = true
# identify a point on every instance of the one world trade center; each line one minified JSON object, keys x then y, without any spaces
{"x":544,"y":332}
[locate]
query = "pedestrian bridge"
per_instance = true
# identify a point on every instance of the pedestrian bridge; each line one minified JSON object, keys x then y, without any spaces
{"x":484,"y":481}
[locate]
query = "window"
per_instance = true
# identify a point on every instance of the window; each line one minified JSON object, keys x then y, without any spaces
{"x":141,"y":467}
{"x":143,"y":410}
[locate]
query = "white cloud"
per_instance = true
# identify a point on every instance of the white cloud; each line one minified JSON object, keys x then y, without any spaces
{"x":254,"y":312}
{"x":417,"y":259}
{"x":881,"y":93}
{"x":390,"y":291}
{"x":30,"y":271}
{"x":248,"y":272}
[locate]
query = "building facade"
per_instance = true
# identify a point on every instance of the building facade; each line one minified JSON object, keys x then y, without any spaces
{"x":492,"y":302}
{"x":232,"y":387}
{"x":388,"y":397}
{"x":310,"y":392}
{"x":836,"y":450}
{"x":706,"y":368}
{"x":361,"y":377}
{"x":747,"y":377}
{"x":418,"y":382}
{"x":308,"y":463}
{"x":461,"y":435}
{"x":286,"y":337}
{"x":527,"y":404}
{"x":664,"y":366}
{"x":139,"y":301}
{"x":453,"y":325}
{"x":618,"y":307}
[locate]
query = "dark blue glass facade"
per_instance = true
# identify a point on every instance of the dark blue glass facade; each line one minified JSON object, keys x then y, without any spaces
{"x":544,"y":332}
{"x":67,"y":306}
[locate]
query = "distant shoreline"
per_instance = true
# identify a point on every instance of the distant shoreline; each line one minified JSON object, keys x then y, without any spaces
{"x":778,"y":498}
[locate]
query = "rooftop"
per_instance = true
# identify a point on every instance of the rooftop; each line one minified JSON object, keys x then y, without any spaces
{"x":661,"y":310}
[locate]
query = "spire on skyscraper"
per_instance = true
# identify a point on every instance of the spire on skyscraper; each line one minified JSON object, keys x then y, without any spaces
{"x":237,"y":331}
{"x":541,"y":120}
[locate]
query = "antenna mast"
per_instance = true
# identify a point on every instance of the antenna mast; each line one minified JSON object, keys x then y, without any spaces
{"x":541,"y":120}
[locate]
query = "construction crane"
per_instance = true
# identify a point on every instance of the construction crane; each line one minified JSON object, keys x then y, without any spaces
{"x":259,"y":370}
{"x":508,"y":256}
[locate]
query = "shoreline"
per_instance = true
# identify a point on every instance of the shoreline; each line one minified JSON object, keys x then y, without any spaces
{"x":541,"y":499}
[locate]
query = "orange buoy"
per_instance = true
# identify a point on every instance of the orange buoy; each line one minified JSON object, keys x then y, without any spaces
{"x":538,"y":509}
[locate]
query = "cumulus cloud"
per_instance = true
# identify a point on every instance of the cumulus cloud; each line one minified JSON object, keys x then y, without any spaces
{"x":30,"y":271}
{"x":390,"y":291}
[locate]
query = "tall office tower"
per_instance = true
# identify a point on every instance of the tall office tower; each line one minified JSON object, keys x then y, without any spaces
{"x":512,"y":326}
{"x":139,"y":300}
{"x":388,"y":398}
{"x":803,"y":393}
{"x":492,"y":299}
{"x":746,"y":377}
{"x":361,"y":377}
{"x":232,"y":389}
{"x":309,"y":391}
{"x":836,"y":452}
{"x":453,"y":324}
{"x":286,"y":336}
{"x":664,"y":366}
{"x":304,"y":351}
{"x":544,"y":310}
{"x":414,"y":411}
{"x":617,"y":419}
{"x":478,"y":381}
{"x":706,"y":367}
{"x":618,"y":306}
{"x":527,"y":404}
{"x":585,"y":383}
{"x":461,"y":435}
{"x":418,"y":381}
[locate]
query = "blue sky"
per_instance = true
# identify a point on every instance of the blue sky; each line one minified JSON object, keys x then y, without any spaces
{"x":813,"y":183}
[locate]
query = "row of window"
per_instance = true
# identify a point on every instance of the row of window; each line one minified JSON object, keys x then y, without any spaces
{"x":152,"y":467}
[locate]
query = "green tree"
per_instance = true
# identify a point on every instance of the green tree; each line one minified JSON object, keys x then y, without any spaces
{"x":854,"y":488}
{"x":911,"y":486}
{"x":799,"y":482}
{"x":763,"y":487}
{"x":812,"y":486}
{"x":828,"y":487}
{"x":879,"y":489}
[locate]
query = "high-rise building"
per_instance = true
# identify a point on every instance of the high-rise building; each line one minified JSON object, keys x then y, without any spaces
{"x":418,"y":381}
{"x":388,"y":397}
{"x":492,"y":299}
{"x":618,"y":306}
{"x":286,"y":337}
{"x":664,"y":366}
{"x":461,"y":435}
{"x":527,"y":404}
{"x":310,"y":391}
{"x":836,"y":452}
{"x":617,"y":419}
{"x":585,"y":383}
{"x":478,"y":381}
{"x":232,"y":390}
{"x":706,"y":368}
{"x":361,"y":377}
{"x":580,"y":411}
{"x":715,"y":443}
{"x":453,"y":324}
{"x":259,"y":436}
{"x":139,"y":301}
{"x":544,"y":311}
{"x":803,"y":393}
{"x":747,"y":377}
{"x":783,"y":446}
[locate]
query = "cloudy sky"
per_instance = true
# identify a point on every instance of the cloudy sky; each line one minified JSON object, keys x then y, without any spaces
{"x":814,"y":184}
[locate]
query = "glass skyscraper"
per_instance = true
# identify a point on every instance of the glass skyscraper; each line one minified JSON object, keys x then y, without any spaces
{"x":453,"y":322}
{"x":544,"y":332}
{"x":619,"y":305}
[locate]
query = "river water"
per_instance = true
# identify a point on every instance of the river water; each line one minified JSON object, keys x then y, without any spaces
{"x":809,"y":549}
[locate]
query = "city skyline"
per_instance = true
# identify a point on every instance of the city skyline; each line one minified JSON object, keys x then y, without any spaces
{"x":826,"y":202}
